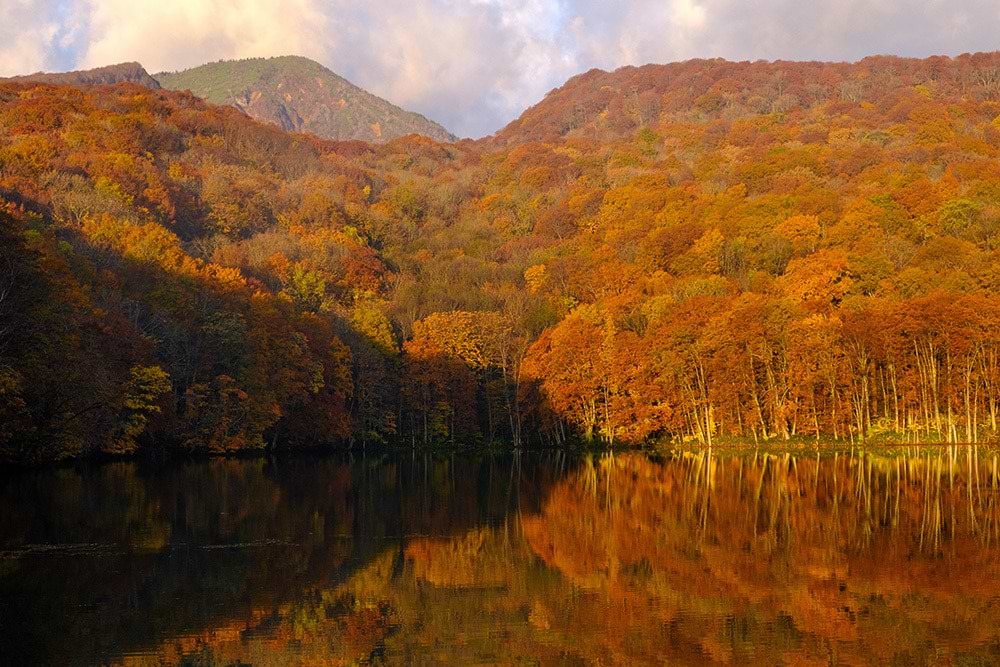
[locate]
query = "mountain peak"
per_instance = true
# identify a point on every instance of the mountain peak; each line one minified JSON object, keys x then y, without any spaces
{"x":301,"y":95}
{"x":130,"y":72}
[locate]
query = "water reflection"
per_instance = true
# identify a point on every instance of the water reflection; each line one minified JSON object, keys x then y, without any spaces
{"x":685,"y":557}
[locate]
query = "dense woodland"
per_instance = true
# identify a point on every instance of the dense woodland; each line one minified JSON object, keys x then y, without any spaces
{"x":697,"y":251}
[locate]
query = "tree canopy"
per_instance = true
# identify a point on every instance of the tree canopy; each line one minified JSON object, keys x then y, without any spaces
{"x":706,"y":258}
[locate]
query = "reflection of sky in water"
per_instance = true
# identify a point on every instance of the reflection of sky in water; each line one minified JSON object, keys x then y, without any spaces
{"x":735,"y":557}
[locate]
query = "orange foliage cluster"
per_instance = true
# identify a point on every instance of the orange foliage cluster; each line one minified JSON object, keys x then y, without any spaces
{"x":613,"y":104}
{"x":711,"y":250}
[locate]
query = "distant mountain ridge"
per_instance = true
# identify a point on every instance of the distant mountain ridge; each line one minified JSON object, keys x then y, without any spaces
{"x":131,"y":72}
{"x":301,"y":95}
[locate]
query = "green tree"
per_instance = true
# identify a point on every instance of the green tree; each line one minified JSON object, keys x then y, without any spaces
{"x":145,"y":387}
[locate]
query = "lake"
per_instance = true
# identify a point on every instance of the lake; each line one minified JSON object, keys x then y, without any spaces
{"x":679,"y":557}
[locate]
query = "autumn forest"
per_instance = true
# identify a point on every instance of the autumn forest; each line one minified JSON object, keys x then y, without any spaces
{"x":699,"y":252}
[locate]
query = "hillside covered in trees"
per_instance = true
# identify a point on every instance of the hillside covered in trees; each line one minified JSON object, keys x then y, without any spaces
{"x":300,"y":95}
{"x":694,"y":251}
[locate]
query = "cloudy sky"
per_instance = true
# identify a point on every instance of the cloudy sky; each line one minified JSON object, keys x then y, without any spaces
{"x":474,"y":65}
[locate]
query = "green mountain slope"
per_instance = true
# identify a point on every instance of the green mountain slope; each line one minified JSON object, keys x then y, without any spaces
{"x":300,"y":95}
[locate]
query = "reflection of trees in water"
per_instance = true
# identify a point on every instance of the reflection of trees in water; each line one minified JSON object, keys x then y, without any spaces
{"x":933,"y":495}
{"x":840,"y":551}
{"x":684,"y":557}
{"x":108,"y":558}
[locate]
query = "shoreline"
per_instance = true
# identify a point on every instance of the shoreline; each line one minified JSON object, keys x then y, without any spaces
{"x":822,"y":446}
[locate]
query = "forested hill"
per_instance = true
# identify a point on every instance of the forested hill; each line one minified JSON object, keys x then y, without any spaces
{"x":608,"y":105}
{"x":175,"y":276}
{"x":300,"y":95}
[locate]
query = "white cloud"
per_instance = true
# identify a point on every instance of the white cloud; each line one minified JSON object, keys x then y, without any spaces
{"x":28,"y":29}
{"x":469,"y":65}
{"x":475,"y":64}
{"x":176,"y":34}
{"x":688,"y":14}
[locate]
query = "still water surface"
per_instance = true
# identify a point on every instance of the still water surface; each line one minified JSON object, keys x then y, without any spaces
{"x":542,"y":558}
